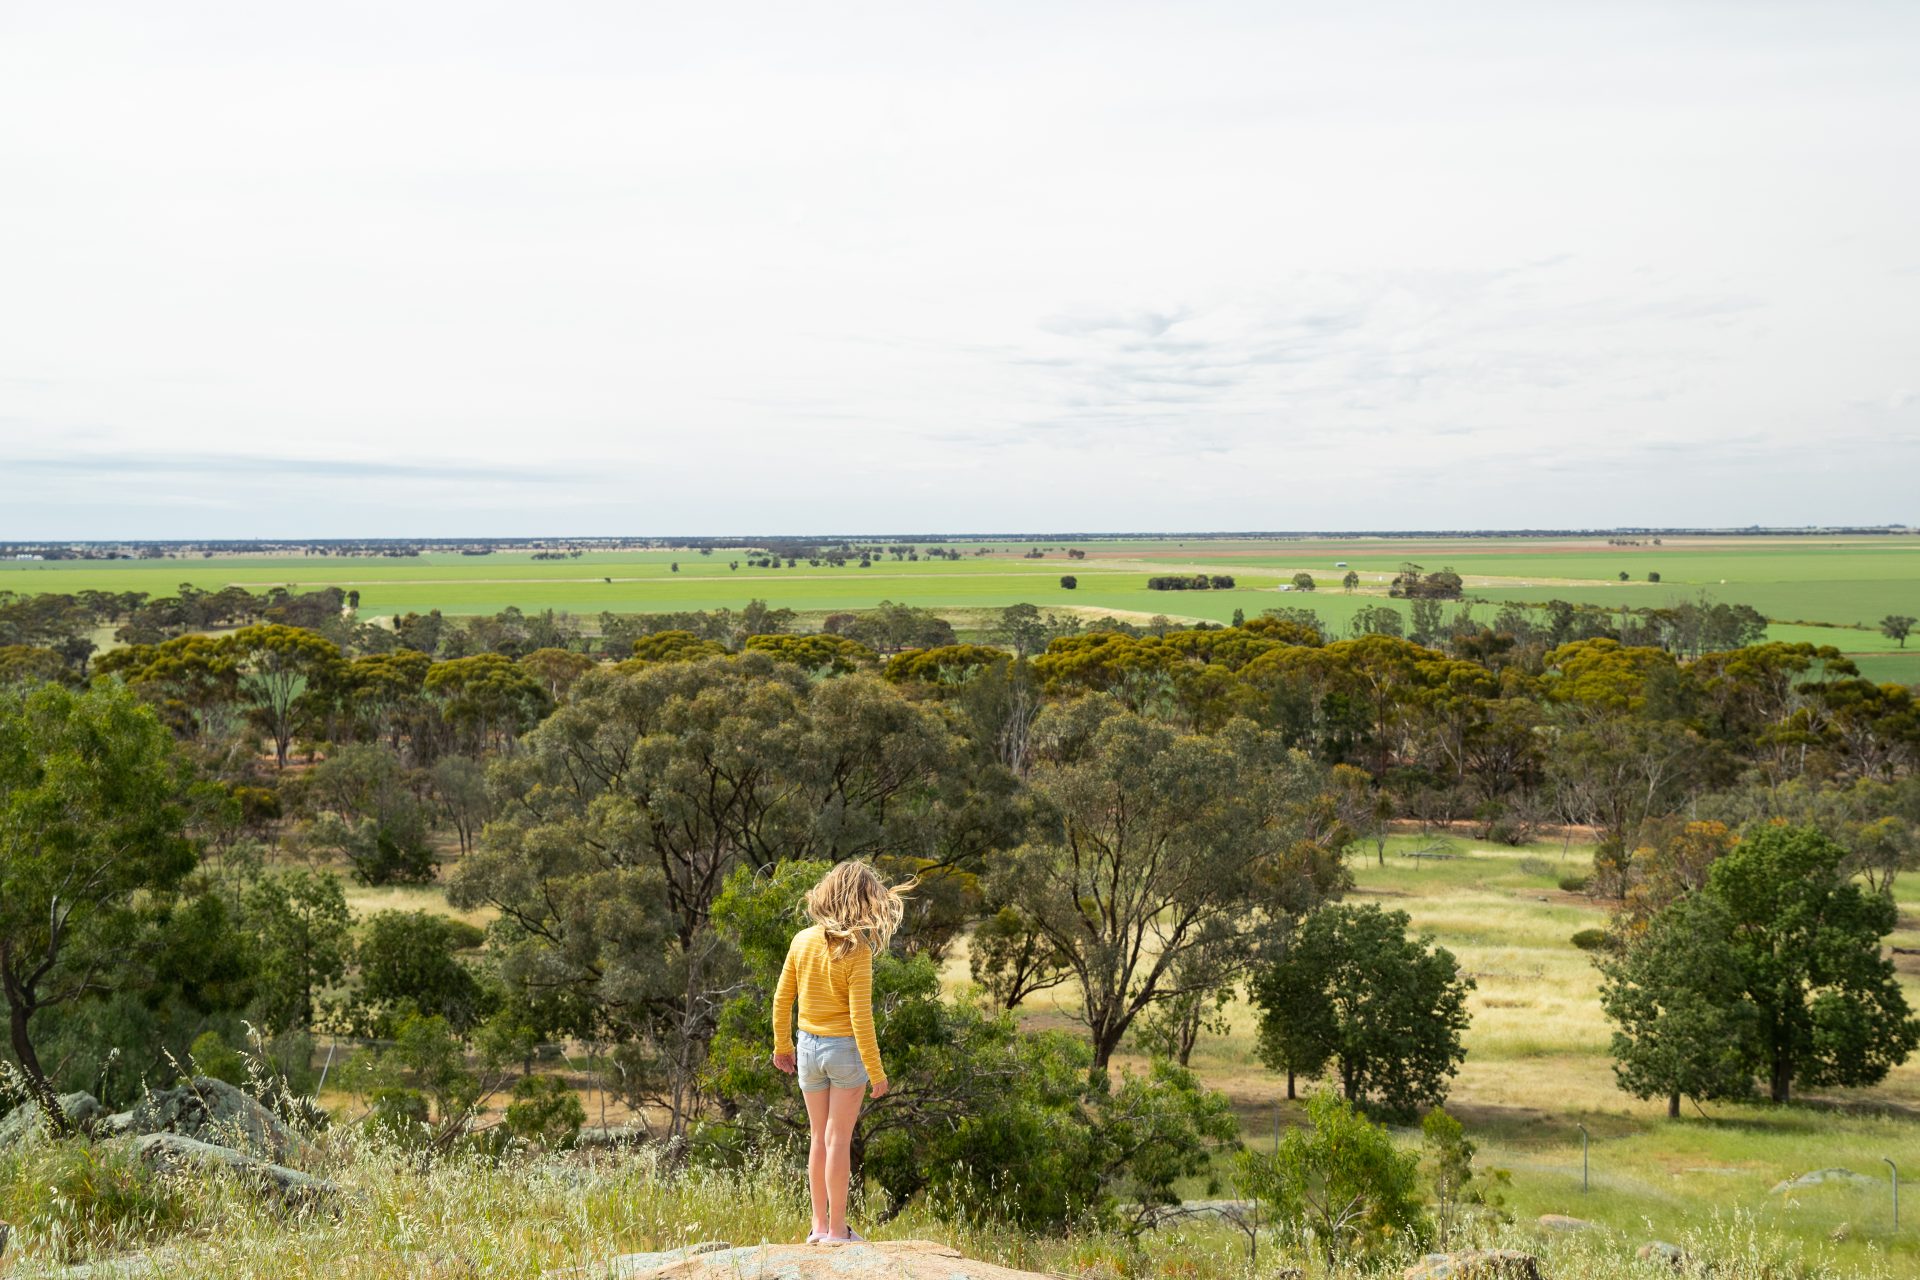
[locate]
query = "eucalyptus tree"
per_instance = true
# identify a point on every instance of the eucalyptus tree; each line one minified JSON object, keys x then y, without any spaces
{"x":91,"y":819}
{"x":621,"y":816}
{"x":1164,"y":863}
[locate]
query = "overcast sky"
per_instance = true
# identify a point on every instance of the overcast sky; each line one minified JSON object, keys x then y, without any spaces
{"x":412,"y":268}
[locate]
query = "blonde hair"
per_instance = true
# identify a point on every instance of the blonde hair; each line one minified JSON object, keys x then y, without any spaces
{"x":853,"y":905}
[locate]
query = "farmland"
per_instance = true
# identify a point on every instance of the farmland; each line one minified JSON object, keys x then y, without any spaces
{"x":1829,"y":590}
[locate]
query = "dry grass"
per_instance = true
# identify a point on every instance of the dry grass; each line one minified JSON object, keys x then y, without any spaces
{"x":365,"y":901}
{"x":471,"y":1218}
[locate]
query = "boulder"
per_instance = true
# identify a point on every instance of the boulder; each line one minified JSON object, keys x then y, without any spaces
{"x":171,"y":1151}
{"x":83,"y":1111}
{"x":1562,"y":1222}
{"x":1819,"y":1176}
{"x":1475,"y":1264}
{"x":595,"y":1137}
{"x":211,"y":1111}
{"x":860,"y":1260}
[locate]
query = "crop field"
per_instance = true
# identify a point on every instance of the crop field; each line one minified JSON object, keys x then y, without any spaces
{"x":1830,"y":590}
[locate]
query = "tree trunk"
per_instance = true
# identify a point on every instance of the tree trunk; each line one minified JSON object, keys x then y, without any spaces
{"x":1106,"y":1039}
{"x":1290,"y":1094}
{"x":1673,"y":1106}
{"x":1189,"y":1034}
{"x":18,"y":1011}
{"x":1782,"y":1077}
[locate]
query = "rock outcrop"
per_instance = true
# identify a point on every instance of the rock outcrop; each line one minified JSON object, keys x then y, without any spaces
{"x":1475,"y":1264}
{"x":861,"y":1260}
{"x":210,"y":1111}
{"x":1817,"y":1177}
{"x":177,"y":1151}
{"x":83,"y":1111}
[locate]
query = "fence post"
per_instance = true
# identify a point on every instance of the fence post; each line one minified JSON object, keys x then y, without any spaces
{"x":1893,"y":1172}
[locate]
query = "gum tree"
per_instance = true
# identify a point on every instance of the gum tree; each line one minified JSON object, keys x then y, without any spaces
{"x":91,"y":817}
{"x":1165,"y":862}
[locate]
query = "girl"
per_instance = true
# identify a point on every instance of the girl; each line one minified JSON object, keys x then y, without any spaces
{"x":830,"y":969}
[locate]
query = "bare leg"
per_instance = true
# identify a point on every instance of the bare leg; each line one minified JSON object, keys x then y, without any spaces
{"x":843,"y":1108}
{"x":817,"y":1157}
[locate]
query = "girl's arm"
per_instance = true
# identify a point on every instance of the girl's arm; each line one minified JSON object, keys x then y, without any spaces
{"x":783,"y":995}
{"x":860,"y":1010}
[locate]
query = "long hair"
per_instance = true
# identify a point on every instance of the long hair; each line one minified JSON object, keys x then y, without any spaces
{"x":852,"y":906}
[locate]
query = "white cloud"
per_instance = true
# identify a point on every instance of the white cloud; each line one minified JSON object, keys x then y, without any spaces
{"x":729,"y":267}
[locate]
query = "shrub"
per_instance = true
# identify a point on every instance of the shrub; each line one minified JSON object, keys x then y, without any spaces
{"x":398,"y":1114}
{"x":1590,"y":939}
{"x":369,"y":814}
{"x":409,"y":959}
{"x":1575,"y":884}
{"x":213,"y":1056}
{"x":1069,"y":582}
{"x":1343,"y":1182}
{"x":1535,"y":867}
{"x":546,"y":1112}
{"x":1461,"y":1194}
{"x":986,"y":1121}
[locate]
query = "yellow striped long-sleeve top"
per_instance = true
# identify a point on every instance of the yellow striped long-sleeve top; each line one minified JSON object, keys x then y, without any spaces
{"x":836,"y":996}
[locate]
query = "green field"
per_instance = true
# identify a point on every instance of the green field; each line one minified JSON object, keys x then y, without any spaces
{"x":1844,"y":584}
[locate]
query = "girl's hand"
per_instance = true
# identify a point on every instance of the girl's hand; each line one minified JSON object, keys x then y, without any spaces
{"x":783,"y":1062}
{"x":879,"y":1088}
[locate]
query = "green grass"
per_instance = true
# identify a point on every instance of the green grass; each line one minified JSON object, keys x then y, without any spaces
{"x":1891,"y":668}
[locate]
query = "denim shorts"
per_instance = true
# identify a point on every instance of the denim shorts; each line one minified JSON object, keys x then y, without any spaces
{"x":824,"y":1061}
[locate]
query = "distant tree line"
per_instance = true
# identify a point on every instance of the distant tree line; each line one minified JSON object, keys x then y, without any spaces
{"x":1191,"y":582}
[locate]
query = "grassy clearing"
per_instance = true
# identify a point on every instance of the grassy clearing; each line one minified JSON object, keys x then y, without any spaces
{"x":1537,"y":1067}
